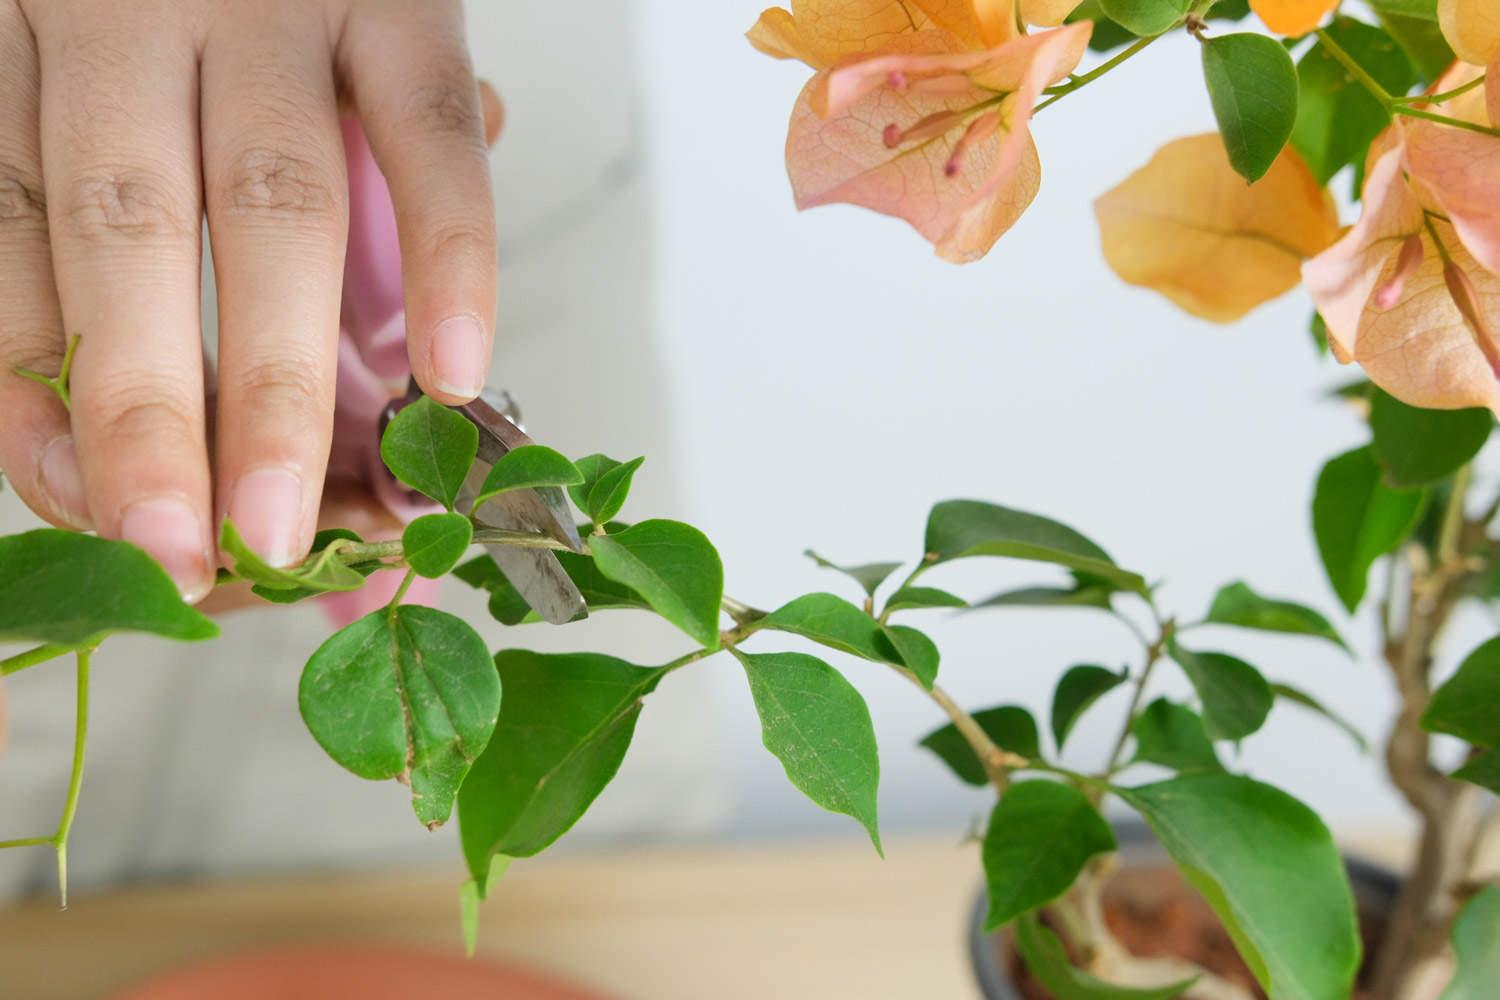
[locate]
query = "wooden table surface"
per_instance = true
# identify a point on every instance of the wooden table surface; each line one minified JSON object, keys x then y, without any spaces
{"x":826,"y":921}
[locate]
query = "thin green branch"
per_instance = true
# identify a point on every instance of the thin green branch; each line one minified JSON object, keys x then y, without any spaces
{"x":1352,"y":66}
{"x":1411,"y":112}
{"x":1153,"y":656}
{"x":31,"y":657}
{"x":1061,"y":90}
{"x":58,"y":383}
{"x":1401,"y":105}
{"x":75,"y":779}
{"x":1451,"y":532}
{"x":26,"y":842}
{"x":1442,"y":98}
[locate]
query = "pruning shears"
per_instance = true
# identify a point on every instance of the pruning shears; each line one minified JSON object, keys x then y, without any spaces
{"x":535,"y":572}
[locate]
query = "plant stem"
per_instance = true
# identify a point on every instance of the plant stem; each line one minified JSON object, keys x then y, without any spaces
{"x":1400,"y":105}
{"x":1417,"y":931}
{"x":997,"y":763}
{"x":26,"y":842}
{"x":31,"y":657}
{"x":406,"y":583}
{"x":1153,"y":654}
{"x":1442,"y":98}
{"x":75,"y":779}
{"x":1411,"y":112}
{"x":1360,"y":74}
{"x":1057,"y":93}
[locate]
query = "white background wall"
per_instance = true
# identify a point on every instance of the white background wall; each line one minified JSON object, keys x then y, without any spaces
{"x":832,"y":379}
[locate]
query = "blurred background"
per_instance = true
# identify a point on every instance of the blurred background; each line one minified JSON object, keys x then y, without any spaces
{"x":794,"y":380}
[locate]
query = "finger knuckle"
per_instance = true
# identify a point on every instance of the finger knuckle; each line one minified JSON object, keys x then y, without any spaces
{"x":288,"y":385}
{"x":116,"y":203}
{"x":266,"y":181}
{"x":447,"y":104}
{"x":145,"y":412}
{"x":23,"y":205}
{"x":462,"y":240}
{"x":32,"y":348}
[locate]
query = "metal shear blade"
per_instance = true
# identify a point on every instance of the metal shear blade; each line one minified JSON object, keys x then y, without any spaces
{"x":535,"y":573}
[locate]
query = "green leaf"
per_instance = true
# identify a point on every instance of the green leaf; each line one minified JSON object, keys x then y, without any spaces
{"x":606,"y":484}
{"x":818,"y":726}
{"x":1010,"y":726}
{"x":1416,"y":447}
{"x":430,"y":448}
{"x":1423,"y":41}
{"x":1229,"y":10}
{"x":1040,"y":836}
{"x":599,"y":592}
{"x":1145,"y":17}
{"x":1083,"y":595}
{"x":325,"y":547}
{"x":320,"y":573}
{"x":563,"y":731}
{"x":673,"y":567}
{"x":1467,"y":705}
{"x":916,"y":598}
{"x":406,"y":693}
{"x":471,"y":894}
{"x":526,"y":468}
{"x":506,"y":605}
{"x":1482,"y":770}
{"x":1476,"y":941}
{"x":1269,"y":868}
{"x":71,"y":589}
{"x":1107,"y":34}
{"x":1078,"y":689}
{"x":1174,"y":737}
{"x":917,"y":651}
{"x":1336,"y":116}
{"x":1047,"y":961}
{"x":961,"y":528}
{"x":434,"y":543}
{"x":1357,"y":519}
{"x":1236,"y":698}
{"x":1236,"y":604}
{"x":1252,"y":85}
{"x":1307,"y":701}
{"x":1425,"y":10}
{"x":834,"y":622}
{"x":869,"y":576}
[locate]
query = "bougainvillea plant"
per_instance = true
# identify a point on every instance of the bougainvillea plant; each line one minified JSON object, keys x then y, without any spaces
{"x":920,"y":109}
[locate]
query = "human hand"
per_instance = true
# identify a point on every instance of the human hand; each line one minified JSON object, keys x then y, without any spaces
{"x":126,"y":123}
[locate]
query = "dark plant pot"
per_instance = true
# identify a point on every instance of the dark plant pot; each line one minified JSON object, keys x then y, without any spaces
{"x":1375,"y":890}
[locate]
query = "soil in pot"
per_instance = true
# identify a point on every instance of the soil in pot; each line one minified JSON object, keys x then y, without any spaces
{"x":1153,"y":912}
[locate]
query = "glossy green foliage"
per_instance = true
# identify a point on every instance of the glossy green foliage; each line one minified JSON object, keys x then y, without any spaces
{"x":434,"y":543}
{"x":563,"y":730}
{"x":72,"y":589}
{"x":1252,"y":84}
{"x":430,"y":448}
{"x":1357,"y":519}
{"x":817,"y":725}
{"x":958,"y":529}
{"x":406,"y":693}
{"x":1039,"y":837}
{"x":673,"y":567}
{"x":1269,"y":868}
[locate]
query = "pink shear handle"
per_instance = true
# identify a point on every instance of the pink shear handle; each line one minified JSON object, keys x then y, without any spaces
{"x":373,"y":367}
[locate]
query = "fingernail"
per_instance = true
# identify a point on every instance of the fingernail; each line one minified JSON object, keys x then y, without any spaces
{"x":172,"y":534}
{"x":459,"y":361}
{"x":62,"y":484}
{"x":266,"y":508}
